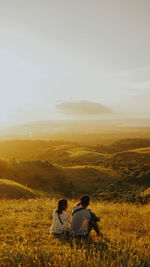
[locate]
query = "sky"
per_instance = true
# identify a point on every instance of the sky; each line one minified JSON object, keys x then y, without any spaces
{"x":62,"y":51}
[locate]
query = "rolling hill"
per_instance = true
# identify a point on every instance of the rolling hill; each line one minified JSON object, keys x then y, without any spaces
{"x":71,"y":155}
{"x":46,"y":177}
{"x":132,"y":165}
{"x":73,"y":169}
{"x":89,"y":179}
{"x":11,"y":189}
{"x":124,"y":145}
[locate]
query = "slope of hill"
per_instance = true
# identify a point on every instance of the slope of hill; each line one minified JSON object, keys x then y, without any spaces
{"x":37,"y":174}
{"x":124,"y":145}
{"x":46,"y":177}
{"x":71,"y":155}
{"x":11,"y":189}
{"x":71,"y":168}
{"x":89,"y":179}
{"x":133,"y":165}
{"x":145,"y":150}
{"x":25,"y":239}
{"x":27,"y":149}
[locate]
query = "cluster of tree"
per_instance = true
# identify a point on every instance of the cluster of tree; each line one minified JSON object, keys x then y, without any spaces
{"x":132,"y":167}
{"x":132,"y":196}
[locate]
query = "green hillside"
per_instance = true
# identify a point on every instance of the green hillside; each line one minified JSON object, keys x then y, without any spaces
{"x":124,"y":145}
{"x":133,"y":165}
{"x":46,"y":177}
{"x":11,"y":189}
{"x":89,"y":179}
{"x":72,"y":169}
{"x":36,"y":174}
{"x":71,"y":155}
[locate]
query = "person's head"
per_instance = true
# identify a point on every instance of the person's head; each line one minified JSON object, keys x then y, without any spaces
{"x":62,"y":205}
{"x":85,"y":201}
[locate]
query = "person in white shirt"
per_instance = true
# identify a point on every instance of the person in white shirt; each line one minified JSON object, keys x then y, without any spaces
{"x":83,"y":220}
{"x":60,"y":219}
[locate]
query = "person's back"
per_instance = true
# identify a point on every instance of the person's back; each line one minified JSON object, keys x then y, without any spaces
{"x":83,"y":220}
{"x":80,"y":221}
{"x":60,"y":218}
{"x":60,"y":222}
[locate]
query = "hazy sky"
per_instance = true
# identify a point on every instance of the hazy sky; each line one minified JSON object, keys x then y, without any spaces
{"x":54,"y":51}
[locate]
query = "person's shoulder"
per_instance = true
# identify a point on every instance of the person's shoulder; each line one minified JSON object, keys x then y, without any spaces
{"x":75,"y":208}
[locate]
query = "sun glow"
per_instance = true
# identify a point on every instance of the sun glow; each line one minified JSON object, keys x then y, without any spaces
{"x":49,"y":53}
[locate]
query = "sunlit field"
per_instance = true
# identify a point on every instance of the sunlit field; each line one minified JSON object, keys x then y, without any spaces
{"x":34,"y":174}
{"x":25,"y":238}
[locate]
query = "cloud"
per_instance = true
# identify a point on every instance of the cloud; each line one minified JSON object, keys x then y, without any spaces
{"x":82,"y":108}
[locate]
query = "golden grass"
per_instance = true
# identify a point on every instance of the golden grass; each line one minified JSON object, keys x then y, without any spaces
{"x":25,"y":239}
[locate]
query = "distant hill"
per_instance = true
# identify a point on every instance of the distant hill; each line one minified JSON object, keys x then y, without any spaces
{"x":73,"y":169}
{"x":44,"y":176}
{"x":10,"y":189}
{"x":36,"y":174}
{"x":124,"y":145}
{"x":89,"y":180}
{"x":71,"y":155}
{"x":27,"y":149}
{"x":132,"y":165}
{"x":32,"y":173}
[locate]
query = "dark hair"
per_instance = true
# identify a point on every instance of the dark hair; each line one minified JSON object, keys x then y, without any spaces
{"x":61,"y":204}
{"x":85,"y":200}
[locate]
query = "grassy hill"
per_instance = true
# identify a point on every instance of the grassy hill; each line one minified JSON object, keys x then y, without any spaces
{"x":26,"y":149}
{"x":132,"y":166}
{"x":71,"y":155}
{"x":73,"y":181}
{"x":11,"y":189}
{"x":26,"y":240}
{"x":124,"y":145}
{"x":118,"y":172}
{"x":71,"y":169}
{"x":145,"y":150}
{"x":35,"y":174}
{"x":46,"y":177}
{"x":89,"y":179}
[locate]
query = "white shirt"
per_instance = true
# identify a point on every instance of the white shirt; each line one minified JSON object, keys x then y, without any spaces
{"x":80,"y":221}
{"x":57,"y":227}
